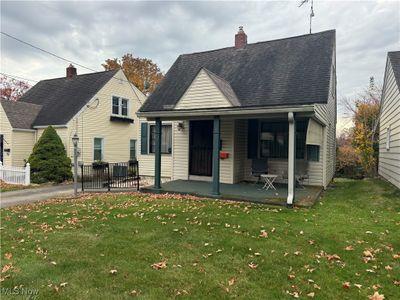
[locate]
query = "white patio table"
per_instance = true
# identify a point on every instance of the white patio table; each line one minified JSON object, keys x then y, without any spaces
{"x":269,"y":181}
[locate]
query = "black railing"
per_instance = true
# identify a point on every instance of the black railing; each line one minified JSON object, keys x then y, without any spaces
{"x":110,"y":175}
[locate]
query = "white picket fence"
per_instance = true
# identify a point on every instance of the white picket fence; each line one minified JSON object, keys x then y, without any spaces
{"x":15,"y":175}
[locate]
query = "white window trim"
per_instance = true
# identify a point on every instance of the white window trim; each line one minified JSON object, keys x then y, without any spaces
{"x":388,"y":136}
{"x":120,"y":115}
{"x":102,"y":147}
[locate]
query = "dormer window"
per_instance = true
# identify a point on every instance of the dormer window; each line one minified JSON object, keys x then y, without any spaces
{"x":119,"y":106}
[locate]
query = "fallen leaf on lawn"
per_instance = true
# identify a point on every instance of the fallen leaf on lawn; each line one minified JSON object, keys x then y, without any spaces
{"x":311,"y":295}
{"x":311,"y":242}
{"x":263,"y":234}
{"x":291,"y":276}
{"x":389,"y":268}
{"x":370,"y":271}
{"x":316,"y":286}
{"x":376,"y":296}
{"x":297,"y":253}
{"x":368,"y":253}
{"x":376,"y":286}
{"x":293,"y":294}
{"x":396,"y":282}
{"x":396,"y":256}
{"x":6,"y":267}
{"x":285,"y":254}
{"x":368,"y":232}
{"x":333,"y":257}
{"x":113,"y":271}
{"x":257,"y":254}
{"x":346,"y":285}
{"x":8,"y":256}
{"x":159,"y":265}
{"x":252,"y":266}
{"x":301,"y":232}
{"x":4,"y":278}
{"x":53,"y":263}
{"x":231,"y":281}
{"x":273,"y":230}
{"x":63,"y":284}
{"x":358,"y":285}
{"x":349,"y":248}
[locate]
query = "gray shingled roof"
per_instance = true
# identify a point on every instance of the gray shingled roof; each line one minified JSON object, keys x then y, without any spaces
{"x":291,"y":71}
{"x":20,"y":114}
{"x":62,"y":98}
{"x":395,"y":62}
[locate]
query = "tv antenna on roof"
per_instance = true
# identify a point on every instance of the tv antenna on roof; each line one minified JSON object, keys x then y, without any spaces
{"x":311,"y":9}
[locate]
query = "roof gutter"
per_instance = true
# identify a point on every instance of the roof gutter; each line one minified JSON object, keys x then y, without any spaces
{"x":235,"y":111}
{"x":23,"y":130}
{"x":54,"y":126}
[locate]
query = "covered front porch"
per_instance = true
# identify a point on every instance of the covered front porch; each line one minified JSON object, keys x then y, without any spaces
{"x":215,"y":155}
{"x":243,"y":191}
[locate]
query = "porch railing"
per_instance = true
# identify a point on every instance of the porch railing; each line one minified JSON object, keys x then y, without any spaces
{"x":15,"y":175}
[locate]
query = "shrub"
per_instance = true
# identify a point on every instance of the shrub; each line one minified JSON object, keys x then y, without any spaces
{"x":49,"y":161}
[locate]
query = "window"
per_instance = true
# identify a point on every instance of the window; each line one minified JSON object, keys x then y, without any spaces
{"x":132,"y":149}
{"x":312,"y":152}
{"x":166,"y":139}
{"x":119,"y":106}
{"x":274,"y":137}
{"x":98,"y":149}
{"x":388,"y":138}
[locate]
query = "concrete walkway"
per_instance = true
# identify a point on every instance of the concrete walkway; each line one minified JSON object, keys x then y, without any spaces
{"x":36,"y":194}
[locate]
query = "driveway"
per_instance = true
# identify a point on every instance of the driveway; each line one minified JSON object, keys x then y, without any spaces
{"x":36,"y":194}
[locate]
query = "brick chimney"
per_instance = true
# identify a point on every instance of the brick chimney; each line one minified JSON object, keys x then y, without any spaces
{"x":240,"y":39}
{"x":71,"y":72}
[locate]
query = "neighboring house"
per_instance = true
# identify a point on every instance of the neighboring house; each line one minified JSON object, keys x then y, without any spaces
{"x":389,"y":126}
{"x":273,"y":100}
{"x":99,"y":107}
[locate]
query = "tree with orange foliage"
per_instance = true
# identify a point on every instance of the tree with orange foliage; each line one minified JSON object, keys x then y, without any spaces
{"x":11,"y":88}
{"x":366,"y":111}
{"x":137,"y":70}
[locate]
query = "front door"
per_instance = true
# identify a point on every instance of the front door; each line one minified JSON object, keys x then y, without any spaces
{"x":201,"y":147}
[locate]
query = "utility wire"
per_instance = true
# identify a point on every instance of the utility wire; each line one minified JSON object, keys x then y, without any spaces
{"x":18,"y":77}
{"x":67,"y":60}
{"x":47,"y":52}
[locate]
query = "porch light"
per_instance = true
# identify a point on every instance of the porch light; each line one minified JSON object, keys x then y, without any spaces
{"x":75,"y":140}
{"x":180,"y":126}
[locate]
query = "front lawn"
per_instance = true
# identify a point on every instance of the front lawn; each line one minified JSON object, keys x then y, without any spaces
{"x":115,"y":246}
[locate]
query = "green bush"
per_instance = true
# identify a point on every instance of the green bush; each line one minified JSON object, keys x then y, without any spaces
{"x":49,"y":161}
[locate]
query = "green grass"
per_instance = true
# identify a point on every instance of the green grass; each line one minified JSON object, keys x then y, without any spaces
{"x":205,"y":243}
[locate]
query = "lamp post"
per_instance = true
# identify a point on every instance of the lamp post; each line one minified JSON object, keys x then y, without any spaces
{"x":75,"y":140}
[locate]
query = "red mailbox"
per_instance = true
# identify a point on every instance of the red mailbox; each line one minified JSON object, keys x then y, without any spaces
{"x":223,"y":155}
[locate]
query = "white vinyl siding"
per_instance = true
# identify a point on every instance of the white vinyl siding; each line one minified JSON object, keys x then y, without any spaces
{"x":389,"y":151}
{"x":22,"y":142}
{"x":202,"y":93}
{"x":146,"y":161}
{"x":180,"y":167}
{"x":6,"y":131}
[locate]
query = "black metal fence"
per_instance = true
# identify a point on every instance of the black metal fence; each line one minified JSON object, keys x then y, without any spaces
{"x":110,"y":175}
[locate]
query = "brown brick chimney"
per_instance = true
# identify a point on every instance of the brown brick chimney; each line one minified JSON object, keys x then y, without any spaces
{"x":71,"y":72}
{"x":240,"y":39}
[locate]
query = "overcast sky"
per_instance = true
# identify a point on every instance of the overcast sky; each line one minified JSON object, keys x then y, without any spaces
{"x":90,"y":32}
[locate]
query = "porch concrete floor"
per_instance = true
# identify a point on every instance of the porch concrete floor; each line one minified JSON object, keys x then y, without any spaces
{"x":241,"y":191}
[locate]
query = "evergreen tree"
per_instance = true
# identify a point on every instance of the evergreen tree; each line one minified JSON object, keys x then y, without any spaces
{"x":49,"y":161}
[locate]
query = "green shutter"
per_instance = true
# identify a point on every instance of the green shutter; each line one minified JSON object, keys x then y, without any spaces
{"x":252,"y":139}
{"x":144,"y":139}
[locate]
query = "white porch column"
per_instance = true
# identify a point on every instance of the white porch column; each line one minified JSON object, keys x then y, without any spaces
{"x":291,"y":160}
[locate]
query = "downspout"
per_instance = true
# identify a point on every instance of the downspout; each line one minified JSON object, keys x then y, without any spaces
{"x":291,"y":160}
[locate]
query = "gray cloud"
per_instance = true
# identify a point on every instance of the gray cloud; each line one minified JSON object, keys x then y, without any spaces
{"x":90,"y":32}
